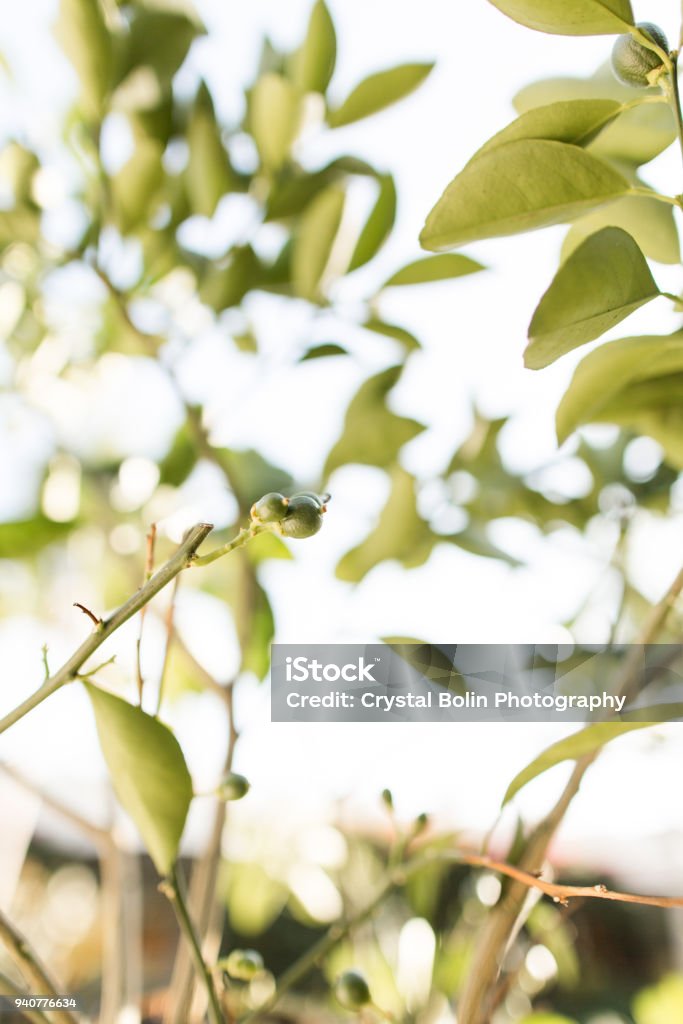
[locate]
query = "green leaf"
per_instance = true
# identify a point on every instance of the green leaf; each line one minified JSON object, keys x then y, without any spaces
{"x":83,"y":35}
{"x":314,"y":240}
{"x":252,"y":476}
{"x":570,"y":17}
{"x":652,"y":407}
{"x":208,"y":175}
{"x":173,"y":33}
{"x":180,"y":459}
{"x":372,"y":435}
{"x":575,"y":122}
{"x":148,"y":772}
{"x":273,"y":118}
{"x":601,"y":283}
{"x":134,"y":186}
{"x":27,"y":537}
{"x":225,"y":284}
{"x":378,"y":91}
{"x":661,"y":1003}
{"x":640,"y":132}
{"x":329,"y":348}
{"x":610,"y":369}
{"x":400,"y":534}
{"x":260,"y":632}
{"x":434,"y":268}
{"x":547,"y":1018}
{"x":517,"y":187}
{"x":400,"y":334}
{"x":650,"y":223}
{"x":590,"y":739}
{"x":312,"y":66}
{"x":378,"y":225}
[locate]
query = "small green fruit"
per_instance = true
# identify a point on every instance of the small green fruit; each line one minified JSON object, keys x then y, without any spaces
{"x":304,"y":517}
{"x":233,"y":787}
{"x":242,"y":964}
{"x":320,"y":499}
{"x":631,"y":61}
{"x":271,"y":508}
{"x":352,"y":990}
{"x":388,"y":799}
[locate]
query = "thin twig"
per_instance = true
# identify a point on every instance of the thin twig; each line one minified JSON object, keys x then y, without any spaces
{"x":91,"y":615}
{"x":500,"y":925}
{"x":69,"y":671}
{"x":8,"y":988}
{"x":170,"y":632}
{"x":149,"y":569}
{"x":173,"y":888}
{"x":30,"y":966}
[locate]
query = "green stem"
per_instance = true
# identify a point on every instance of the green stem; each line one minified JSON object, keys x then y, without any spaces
{"x":246,"y":534}
{"x":174,"y":890}
{"x":8,"y":988}
{"x":649,"y":193}
{"x":70,"y":670}
{"x":31,"y":968}
{"x":672,"y":92}
{"x":649,"y":44}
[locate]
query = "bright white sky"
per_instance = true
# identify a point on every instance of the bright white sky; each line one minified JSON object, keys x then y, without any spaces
{"x":473,"y":332}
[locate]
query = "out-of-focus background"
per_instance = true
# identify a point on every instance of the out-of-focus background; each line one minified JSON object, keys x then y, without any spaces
{"x":93,"y":449}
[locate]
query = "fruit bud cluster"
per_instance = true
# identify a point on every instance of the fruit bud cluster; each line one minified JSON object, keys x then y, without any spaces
{"x":299,"y":516}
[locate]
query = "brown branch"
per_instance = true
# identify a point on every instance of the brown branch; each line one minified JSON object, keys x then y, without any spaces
{"x":91,"y":615}
{"x":170,"y":633}
{"x":499,"y":928}
{"x":8,"y":988}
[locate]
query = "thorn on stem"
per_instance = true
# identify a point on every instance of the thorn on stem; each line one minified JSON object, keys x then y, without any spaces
{"x":91,"y":615}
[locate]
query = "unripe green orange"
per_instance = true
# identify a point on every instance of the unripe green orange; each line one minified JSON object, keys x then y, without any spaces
{"x":304,"y":517}
{"x":352,"y":990}
{"x":631,"y":61}
{"x":271,"y":508}
{"x":243,"y":964}
{"x":233,"y":787}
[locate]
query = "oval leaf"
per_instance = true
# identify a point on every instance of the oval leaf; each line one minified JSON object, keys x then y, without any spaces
{"x":378,"y":225}
{"x":148,"y":772}
{"x":570,"y":17}
{"x":609,"y":370}
{"x":83,"y":35}
{"x":313,"y":64}
{"x":605,"y":280}
{"x":517,"y":187}
{"x":273,"y":117}
{"x":314,"y":241}
{"x":590,"y":739}
{"x":434,"y":268}
{"x":378,"y":91}
{"x":649,"y":222}
{"x":576,"y":122}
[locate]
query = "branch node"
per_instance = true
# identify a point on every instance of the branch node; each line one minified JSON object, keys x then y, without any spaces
{"x":98,"y":623}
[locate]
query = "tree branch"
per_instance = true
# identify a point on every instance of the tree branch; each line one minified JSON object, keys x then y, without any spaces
{"x":31,"y":967}
{"x":69,"y":671}
{"x":8,"y":988}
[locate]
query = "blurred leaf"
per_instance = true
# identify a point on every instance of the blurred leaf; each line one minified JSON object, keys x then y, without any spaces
{"x":83,"y":35}
{"x":208,"y":174}
{"x":19,"y":225}
{"x":636,"y":136}
{"x":517,"y":187}
{"x":372,"y":435}
{"x":329,"y":348}
{"x":25,"y":538}
{"x":611,"y":368}
{"x":547,"y":925}
{"x":433,"y":268}
{"x":651,"y":407}
{"x":267,"y":545}
{"x":173,"y":33}
{"x":253,"y":898}
{"x":312,"y":65}
{"x":590,"y":739}
{"x":148,"y":772}
{"x":314,"y":240}
{"x":570,"y":18}
{"x":273,"y":118}
{"x":225,"y":283}
{"x":400,"y":534}
{"x":650,"y":223}
{"x":259,"y":633}
{"x":661,"y":1003}
{"x":180,"y":460}
{"x":547,"y":1018}
{"x":251,"y":476}
{"x":378,"y":91}
{"x":18,"y":166}
{"x":601,"y":283}
{"x":135,"y":185}
{"x":576,"y":122}
{"x":400,"y":334}
{"x":378,"y":225}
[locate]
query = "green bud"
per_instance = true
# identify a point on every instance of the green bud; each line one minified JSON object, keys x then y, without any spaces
{"x":304,"y":517}
{"x":233,"y":787}
{"x":631,"y":61}
{"x":352,"y":990}
{"x":242,"y":964}
{"x":271,"y":508}
{"x":421,"y":823}
{"x":388,"y":799}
